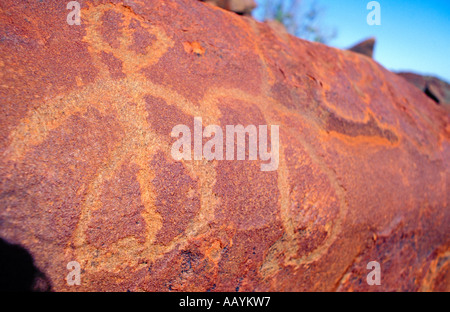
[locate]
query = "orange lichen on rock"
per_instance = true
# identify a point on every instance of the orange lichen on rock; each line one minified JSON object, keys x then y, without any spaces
{"x":86,"y":172}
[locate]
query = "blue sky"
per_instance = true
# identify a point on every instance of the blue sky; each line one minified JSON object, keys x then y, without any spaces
{"x":413,"y":36}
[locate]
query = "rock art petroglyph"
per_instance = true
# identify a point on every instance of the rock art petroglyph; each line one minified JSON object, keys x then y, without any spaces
{"x":86,"y":172}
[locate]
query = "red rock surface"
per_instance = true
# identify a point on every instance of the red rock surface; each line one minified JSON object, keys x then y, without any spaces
{"x":86,"y":172}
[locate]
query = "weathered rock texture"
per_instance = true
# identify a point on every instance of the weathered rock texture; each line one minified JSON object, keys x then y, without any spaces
{"x":86,"y":172}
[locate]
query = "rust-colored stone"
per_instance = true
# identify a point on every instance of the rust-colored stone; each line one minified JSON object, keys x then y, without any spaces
{"x":86,"y":172}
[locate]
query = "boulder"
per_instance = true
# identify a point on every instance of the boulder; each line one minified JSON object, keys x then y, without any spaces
{"x":242,"y":7}
{"x":436,"y":89}
{"x":365,"y":47}
{"x":87,"y":174}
